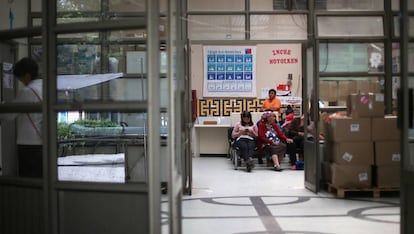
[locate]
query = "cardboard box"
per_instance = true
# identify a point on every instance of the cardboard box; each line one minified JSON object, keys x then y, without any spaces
{"x":351,"y":176}
{"x":328,"y":91}
{"x":388,"y":176}
{"x":353,"y":153}
{"x":385,"y":128}
{"x":348,"y":129}
{"x":387,"y":153}
{"x":366,"y":105}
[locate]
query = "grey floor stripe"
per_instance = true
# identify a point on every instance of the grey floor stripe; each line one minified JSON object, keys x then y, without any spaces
{"x":270,"y":223}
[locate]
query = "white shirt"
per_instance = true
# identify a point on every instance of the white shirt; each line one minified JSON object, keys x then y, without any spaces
{"x":28,"y":130}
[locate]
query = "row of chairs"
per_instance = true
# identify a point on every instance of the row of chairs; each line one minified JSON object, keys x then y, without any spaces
{"x":264,"y":157}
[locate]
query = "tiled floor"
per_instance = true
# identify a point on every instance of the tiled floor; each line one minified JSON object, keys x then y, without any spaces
{"x":227,"y":201}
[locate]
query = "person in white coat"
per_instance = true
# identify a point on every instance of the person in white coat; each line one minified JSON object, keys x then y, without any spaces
{"x":29,"y":125}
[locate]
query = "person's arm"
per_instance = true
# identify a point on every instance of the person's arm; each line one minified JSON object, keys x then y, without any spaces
{"x":255,"y":131}
{"x":236,"y":130}
{"x":281,"y":135}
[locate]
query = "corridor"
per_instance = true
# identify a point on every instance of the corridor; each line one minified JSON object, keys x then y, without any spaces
{"x":227,"y":201}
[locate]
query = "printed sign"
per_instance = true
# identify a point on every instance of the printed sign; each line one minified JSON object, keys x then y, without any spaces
{"x":229,"y":71}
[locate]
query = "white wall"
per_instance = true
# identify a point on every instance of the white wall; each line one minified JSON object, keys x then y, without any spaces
{"x":267,"y":75}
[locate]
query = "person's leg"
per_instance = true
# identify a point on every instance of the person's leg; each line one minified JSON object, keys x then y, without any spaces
{"x":243,"y":149}
{"x":291,"y":151}
{"x":30,"y":160}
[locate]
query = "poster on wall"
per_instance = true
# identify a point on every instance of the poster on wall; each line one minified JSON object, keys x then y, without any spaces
{"x":229,"y":71}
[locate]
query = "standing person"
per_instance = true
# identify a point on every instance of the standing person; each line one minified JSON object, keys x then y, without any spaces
{"x":245,"y":133}
{"x":271,"y":138}
{"x":29,"y":125}
{"x":272,"y":103}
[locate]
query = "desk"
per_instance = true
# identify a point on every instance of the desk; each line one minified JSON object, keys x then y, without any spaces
{"x":209,"y":139}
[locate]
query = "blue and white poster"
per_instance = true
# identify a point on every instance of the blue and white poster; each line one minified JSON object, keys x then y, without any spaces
{"x":229,"y":71}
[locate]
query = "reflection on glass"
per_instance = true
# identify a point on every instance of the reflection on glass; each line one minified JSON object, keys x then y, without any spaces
{"x":351,"y":57}
{"x":230,"y":27}
{"x":72,"y":19}
{"x":334,"y":91}
{"x":350,"y":26}
{"x":105,"y":147}
{"x":366,"y":5}
{"x":288,"y":27}
{"x":78,"y":5}
{"x":77,"y":59}
{"x":133,"y":6}
{"x":216,"y":5}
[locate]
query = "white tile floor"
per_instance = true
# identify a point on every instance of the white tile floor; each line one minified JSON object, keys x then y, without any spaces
{"x":227,"y":201}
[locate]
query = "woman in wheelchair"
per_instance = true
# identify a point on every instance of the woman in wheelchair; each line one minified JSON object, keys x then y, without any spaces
{"x":271,"y":139}
{"x":245,"y":133}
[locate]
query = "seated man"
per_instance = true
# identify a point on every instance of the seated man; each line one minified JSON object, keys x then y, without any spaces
{"x":295,"y":130}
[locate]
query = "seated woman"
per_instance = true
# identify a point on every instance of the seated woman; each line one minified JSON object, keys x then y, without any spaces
{"x":295,"y":130}
{"x":271,"y":138}
{"x":245,"y":133}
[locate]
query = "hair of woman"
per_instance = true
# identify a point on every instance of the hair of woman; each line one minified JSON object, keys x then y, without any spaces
{"x":246,"y":114}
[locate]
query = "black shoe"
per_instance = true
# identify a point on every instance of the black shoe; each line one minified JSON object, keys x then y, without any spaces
{"x":260,"y":160}
{"x":249,"y":164}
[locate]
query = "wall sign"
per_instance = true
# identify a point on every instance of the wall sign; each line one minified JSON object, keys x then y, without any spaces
{"x":229,"y":71}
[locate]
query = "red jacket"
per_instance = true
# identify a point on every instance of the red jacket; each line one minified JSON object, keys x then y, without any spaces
{"x":262,"y":139}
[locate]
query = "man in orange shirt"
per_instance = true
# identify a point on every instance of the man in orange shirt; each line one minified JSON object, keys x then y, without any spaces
{"x":272,"y":103}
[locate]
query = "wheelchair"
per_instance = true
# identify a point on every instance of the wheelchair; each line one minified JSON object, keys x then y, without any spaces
{"x":233,"y":152}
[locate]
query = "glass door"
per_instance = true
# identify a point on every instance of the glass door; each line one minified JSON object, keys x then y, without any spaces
{"x":406,"y":108}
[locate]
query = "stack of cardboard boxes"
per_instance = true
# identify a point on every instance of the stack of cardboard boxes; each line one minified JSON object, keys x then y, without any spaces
{"x":362,"y":148}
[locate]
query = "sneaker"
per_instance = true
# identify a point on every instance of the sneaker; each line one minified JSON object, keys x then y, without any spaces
{"x":293,"y":167}
{"x":249,"y":164}
{"x":277,"y":168}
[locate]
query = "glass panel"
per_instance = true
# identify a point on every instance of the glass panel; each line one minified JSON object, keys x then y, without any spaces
{"x":396,"y":63}
{"x":20,"y":132}
{"x":204,"y":27}
{"x":83,"y":36}
{"x":410,"y":26}
{"x":350,"y":26}
{"x":215,"y":5}
{"x":334,"y":91}
{"x":36,"y":5}
{"x":76,"y":20}
{"x":269,"y":5}
{"x":118,"y":89}
{"x":410,"y":62}
{"x":289,"y":27}
{"x":77,"y":59}
{"x":395,"y":5}
{"x":396,"y":22}
{"x":37,"y":22}
{"x":105,"y":147}
{"x":136,"y":33}
{"x":133,"y":6}
{"x":78,"y":5}
{"x":370,"y":5}
{"x":125,"y":6}
{"x":351,"y":57}
{"x":127,"y":35}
